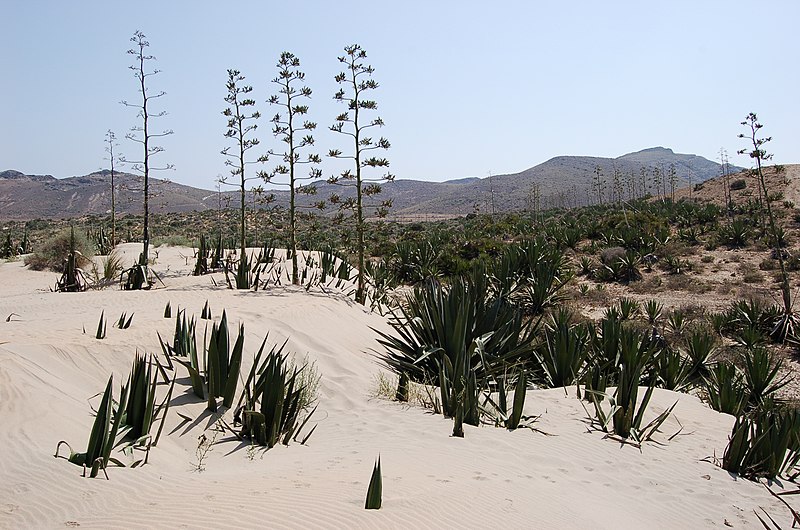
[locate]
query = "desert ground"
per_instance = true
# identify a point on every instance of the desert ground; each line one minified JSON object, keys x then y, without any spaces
{"x":562,"y":474}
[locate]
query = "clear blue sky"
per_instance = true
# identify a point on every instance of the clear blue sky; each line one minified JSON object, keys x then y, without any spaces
{"x":465,"y":87}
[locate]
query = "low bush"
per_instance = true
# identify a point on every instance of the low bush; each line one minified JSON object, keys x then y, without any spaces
{"x":51,"y":255}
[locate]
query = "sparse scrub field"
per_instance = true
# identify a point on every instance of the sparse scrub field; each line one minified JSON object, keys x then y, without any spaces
{"x":475,"y":316}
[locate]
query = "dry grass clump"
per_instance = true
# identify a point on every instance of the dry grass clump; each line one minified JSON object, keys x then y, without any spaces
{"x":51,"y":254}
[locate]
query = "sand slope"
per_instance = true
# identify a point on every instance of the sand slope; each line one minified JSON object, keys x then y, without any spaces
{"x":574,"y":478}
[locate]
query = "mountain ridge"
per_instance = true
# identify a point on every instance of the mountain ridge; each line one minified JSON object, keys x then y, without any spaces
{"x":564,"y":180}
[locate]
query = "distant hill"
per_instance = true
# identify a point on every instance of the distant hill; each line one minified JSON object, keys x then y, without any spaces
{"x":560,"y":181}
{"x":564,"y":181}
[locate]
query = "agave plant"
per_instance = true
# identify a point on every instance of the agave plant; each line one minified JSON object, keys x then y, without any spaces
{"x":725,"y":389}
{"x":413,"y":262}
{"x":676,"y":321}
{"x":532,"y":275}
{"x":140,"y":409}
{"x":380,"y":282}
{"x":628,"y":308}
{"x":137,"y":276}
{"x":510,"y":418}
{"x":222,"y":364}
{"x":244,"y":275}
{"x":563,"y":352}
{"x":764,"y":444}
{"x":762,"y":374}
{"x":103,"y":434}
{"x":653,"y":311}
{"x":626,"y":415}
{"x":735,"y":234}
{"x":671,"y":370}
{"x":700,"y":348}
{"x":270,"y":406}
{"x":752,"y":313}
{"x":72,"y":279}
{"x":124,"y":321}
{"x":216,"y":255}
{"x":430,"y":323}
{"x":201,"y":258}
{"x":184,"y":350}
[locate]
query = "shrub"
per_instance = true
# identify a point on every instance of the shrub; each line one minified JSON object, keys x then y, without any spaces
{"x":50,"y":254}
{"x":738,"y":184}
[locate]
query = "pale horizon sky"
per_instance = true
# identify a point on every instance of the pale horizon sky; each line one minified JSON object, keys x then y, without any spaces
{"x":466,"y":88}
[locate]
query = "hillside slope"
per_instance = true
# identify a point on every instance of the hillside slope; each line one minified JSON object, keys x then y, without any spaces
{"x":560,"y":181}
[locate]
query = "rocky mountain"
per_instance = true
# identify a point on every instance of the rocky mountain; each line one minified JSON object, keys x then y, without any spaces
{"x":560,"y":181}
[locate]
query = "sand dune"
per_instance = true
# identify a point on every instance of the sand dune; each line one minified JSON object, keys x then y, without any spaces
{"x":571,"y":478}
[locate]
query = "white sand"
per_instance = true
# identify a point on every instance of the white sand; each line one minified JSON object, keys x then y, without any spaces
{"x":573,"y":479}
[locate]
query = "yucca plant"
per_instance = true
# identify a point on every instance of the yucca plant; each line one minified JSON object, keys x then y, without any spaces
{"x":270,"y":406}
{"x":168,"y":310}
{"x":124,"y":321}
{"x":375,"y":488}
{"x":725,"y":389}
{"x":764,"y":443}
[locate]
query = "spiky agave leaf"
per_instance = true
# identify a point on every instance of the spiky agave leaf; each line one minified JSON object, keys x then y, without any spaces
{"x":233,"y":369}
{"x":141,"y":401}
{"x":375,"y":488}
{"x":519,"y":400}
{"x":101,"y":327}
